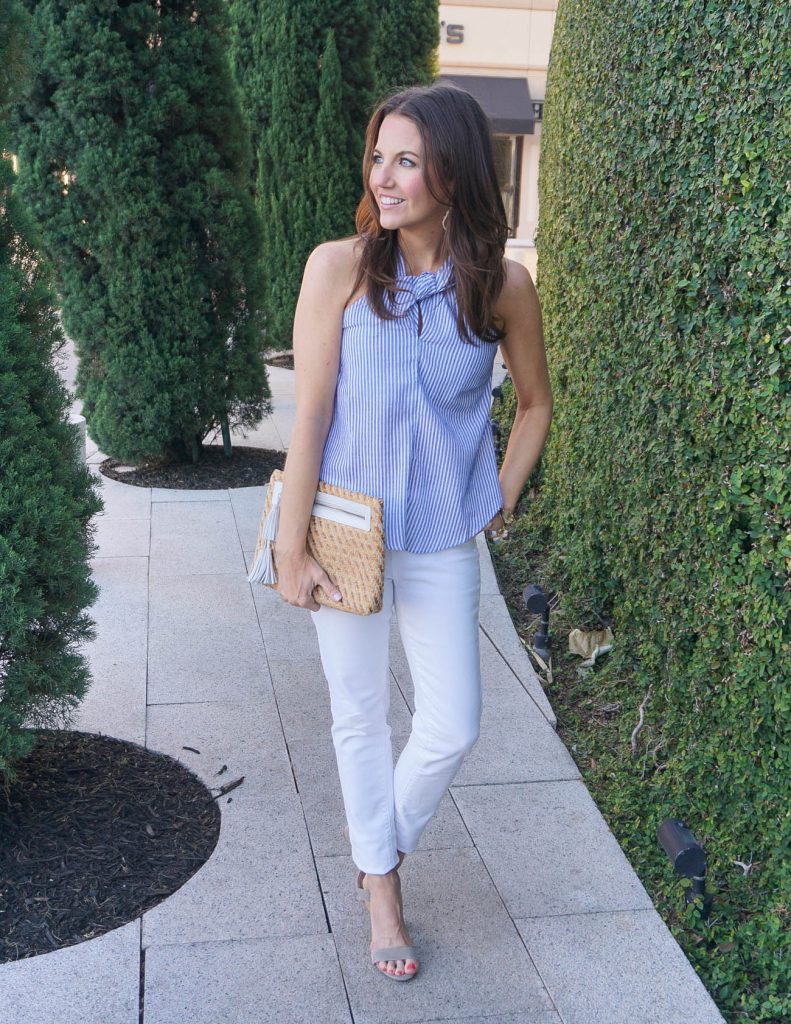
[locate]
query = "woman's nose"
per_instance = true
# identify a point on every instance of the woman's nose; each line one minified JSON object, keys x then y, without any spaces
{"x":381,"y":176}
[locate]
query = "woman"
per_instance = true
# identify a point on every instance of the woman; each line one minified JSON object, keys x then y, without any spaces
{"x":395,"y":334}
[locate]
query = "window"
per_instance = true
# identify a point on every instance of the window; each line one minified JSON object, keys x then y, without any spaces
{"x":508,"y":164}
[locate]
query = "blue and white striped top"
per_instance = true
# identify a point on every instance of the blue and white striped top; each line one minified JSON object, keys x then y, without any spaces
{"x":410,"y":422}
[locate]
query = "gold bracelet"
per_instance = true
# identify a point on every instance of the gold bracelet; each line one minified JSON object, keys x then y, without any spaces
{"x":507,"y":517}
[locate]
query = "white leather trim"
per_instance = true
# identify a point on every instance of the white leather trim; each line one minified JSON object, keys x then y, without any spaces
{"x":337,"y":509}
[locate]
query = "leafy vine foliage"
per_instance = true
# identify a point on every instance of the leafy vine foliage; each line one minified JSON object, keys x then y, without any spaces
{"x":663,"y":493}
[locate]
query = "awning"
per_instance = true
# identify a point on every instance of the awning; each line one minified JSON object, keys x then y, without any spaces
{"x":506,"y":100}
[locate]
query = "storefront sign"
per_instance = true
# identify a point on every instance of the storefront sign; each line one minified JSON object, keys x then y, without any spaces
{"x":453,"y":33}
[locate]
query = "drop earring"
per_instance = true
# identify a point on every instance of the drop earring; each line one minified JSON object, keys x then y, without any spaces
{"x":444,"y":220}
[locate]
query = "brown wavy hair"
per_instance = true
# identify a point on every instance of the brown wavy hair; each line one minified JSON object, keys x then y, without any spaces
{"x":460,"y":173}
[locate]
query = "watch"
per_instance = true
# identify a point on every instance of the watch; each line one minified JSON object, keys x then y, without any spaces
{"x":507,"y":517}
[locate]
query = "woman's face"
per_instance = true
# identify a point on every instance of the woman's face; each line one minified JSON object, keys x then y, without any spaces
{"x":397,"y":177}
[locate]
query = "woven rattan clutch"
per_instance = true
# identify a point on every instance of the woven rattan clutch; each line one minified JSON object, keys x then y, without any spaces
{"x":346,"y":537}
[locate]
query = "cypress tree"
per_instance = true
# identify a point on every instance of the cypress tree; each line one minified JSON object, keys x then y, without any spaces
{"x":46,"y":496}
{"x":304,"y":75}
{"x":333,"y":145}
{"x":405,"y":45}
{"x":135,"y":160}
{"x":250,"y":40}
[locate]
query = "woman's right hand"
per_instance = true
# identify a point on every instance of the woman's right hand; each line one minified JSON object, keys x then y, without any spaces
{"x":297,"y":576}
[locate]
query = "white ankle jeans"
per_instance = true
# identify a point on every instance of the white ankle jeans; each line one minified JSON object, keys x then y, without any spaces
{"x":436,"y":598}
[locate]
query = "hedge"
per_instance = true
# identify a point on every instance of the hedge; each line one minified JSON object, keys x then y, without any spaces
{"x":663,"y":492}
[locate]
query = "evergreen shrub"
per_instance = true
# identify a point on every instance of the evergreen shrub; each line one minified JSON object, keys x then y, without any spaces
{"x":46,"y":495}
{"x":135,"y":160}
{"x":664,"y":498}
{"x":405,"y":47}
{"x":308,"y":87}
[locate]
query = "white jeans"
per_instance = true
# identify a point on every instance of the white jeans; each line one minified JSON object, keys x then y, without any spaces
{"x":436,"y":598}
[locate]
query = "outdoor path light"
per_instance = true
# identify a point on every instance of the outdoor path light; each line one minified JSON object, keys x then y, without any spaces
{"x":535,"y":601}
{"x":688,"y":858}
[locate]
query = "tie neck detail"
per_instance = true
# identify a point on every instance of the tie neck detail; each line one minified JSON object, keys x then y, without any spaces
{"x":414,"y":287}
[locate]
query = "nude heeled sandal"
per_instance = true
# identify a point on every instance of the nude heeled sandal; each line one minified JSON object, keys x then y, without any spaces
{"x":385,"y":953}
{"x":395,"y":953}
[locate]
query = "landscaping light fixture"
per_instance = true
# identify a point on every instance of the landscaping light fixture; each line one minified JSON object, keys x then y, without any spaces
{"x":535,"y":601}
{"x":688,"y":858}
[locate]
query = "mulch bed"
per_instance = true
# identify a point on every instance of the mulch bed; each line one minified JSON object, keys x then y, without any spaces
{"x":95,"y":831}
{"x":247,"y":467}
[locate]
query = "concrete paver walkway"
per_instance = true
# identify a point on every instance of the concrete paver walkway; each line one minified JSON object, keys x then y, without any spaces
{"x":522,"y":905}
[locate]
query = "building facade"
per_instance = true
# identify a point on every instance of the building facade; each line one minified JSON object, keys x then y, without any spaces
{"x":499,"y":51}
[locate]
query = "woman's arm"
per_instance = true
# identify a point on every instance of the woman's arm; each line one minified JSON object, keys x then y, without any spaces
{"x":317,"y":335}
{"x":525,"y":357}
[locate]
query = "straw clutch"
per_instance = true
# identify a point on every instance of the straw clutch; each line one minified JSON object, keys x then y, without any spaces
{"x":346,"y":537}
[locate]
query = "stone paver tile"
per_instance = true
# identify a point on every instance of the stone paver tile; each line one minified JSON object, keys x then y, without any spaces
{"x":303,"y":699}
{"x":281,"y":381}
{"x":120,"y":611}
{"x":117,"y":537}
{"x":548,"y":849}
{"x":246,"y":739}
{"x":516,"y":743}
{"x":123,"y":500}
{"x":93,"y":455}
{"x":248,"y":501}
{"x":473,"y":961}
{"x":259,"y":882}
{"x":116,"y":699}
{"x":115,"y":704}
{"x":497,"y":625}
{"x":204,"y":641}
{"x":288,"y":632}
{"x":247,"y":529}
{"x":195,"y":537}
{"x":178,"y":494}
{"x":316,"y":772}
{"x":92,"y":982}
{"x":266,"y":981}
{"x":514,"y":747}
{"x":265,"y":435}
{"x":489,"y":583}
{"x":617,"y":968}
{"x":528,"y":1017}
{"x":249,"y":558}
{"x":284,"y":422}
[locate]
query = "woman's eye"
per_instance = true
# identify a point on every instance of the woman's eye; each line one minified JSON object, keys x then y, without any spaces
{"x":377,"y":159}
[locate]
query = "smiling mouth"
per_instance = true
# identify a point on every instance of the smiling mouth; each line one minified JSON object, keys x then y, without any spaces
{"x":389,"y":201}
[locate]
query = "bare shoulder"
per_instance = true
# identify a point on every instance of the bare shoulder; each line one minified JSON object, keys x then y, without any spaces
{"x":332,"y":266}
{"x":519,"y":293}
{"x":522,"y":346}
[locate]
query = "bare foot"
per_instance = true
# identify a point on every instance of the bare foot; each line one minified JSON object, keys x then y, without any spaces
{"x":387,"y":920}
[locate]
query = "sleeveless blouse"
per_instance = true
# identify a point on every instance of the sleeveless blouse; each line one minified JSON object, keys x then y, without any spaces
{"x":410,"y":421}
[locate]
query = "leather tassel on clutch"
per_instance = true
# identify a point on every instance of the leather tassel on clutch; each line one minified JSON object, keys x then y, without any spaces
{"x":263,"y":570}
{"x":345,"y":536}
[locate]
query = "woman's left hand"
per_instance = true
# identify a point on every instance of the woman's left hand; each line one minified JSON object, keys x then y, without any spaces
{"x":496,"y":523}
